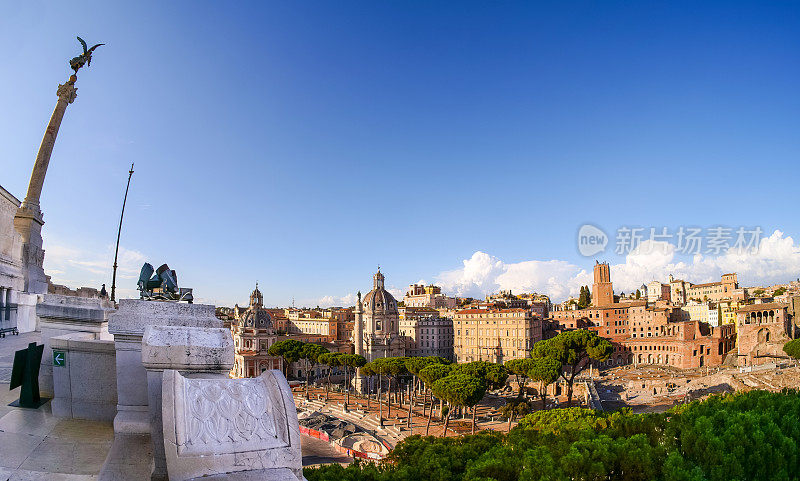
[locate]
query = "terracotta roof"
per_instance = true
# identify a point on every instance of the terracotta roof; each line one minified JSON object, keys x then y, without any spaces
{"x":707,"y":284}
{"x":489,"y":311}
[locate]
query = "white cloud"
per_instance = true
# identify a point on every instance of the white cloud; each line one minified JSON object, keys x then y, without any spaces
{"x":337,"y":301}
{"x":76,"y":267}
{"x":776,"y":260}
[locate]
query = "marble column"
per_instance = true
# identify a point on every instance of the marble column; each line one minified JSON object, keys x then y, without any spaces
{"x":28,"y":220}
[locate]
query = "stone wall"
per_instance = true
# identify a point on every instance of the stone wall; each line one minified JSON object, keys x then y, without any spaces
{"x":85,"y":380}
{"x":58,"y":315}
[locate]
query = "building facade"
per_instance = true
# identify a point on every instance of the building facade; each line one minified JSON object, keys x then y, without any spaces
{"x":495,"y":335}
{"x":253,"y":334}
{"x":376,"y":329}
{"x":656,"y":291}
{"x":419,"y":295}
{"x":428,"y":335}
{"x":762,"y":330}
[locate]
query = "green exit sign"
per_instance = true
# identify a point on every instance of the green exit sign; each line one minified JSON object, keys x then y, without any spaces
{"x":59,"y":358}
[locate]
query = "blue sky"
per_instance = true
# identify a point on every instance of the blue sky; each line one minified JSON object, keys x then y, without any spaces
{"x":301,"y":144}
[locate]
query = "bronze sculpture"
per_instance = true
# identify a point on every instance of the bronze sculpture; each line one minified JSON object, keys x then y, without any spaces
{"x":83,"y":59}
{"x":162,"y":286}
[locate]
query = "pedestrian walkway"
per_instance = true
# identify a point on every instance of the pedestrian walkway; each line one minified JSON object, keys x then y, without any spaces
{"x":35,"y":445}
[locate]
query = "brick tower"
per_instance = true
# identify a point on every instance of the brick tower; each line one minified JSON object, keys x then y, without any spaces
{"x":602,"y":291}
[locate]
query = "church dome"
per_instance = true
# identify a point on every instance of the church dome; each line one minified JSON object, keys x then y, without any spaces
{"x":254,"y":316}
{"x":379,"y":300}
{"x":257,"y":318}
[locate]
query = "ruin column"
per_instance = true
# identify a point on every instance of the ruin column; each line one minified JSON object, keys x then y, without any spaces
{"x":28,"y":219}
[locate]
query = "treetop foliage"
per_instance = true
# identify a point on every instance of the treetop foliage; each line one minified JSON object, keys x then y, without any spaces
{"x":571,"y":348}
{"x":494,"y":374}
{"x":744,"y":436}
{"x":415,"y":364}
{"x":545,"y":369}
{"x":433,"y":372}
{"x":792,"y":348}
{"x":460,"y":389}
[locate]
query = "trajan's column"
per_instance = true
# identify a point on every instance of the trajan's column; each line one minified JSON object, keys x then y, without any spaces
{"x":28,"y":220}
{"x":358,"y":341}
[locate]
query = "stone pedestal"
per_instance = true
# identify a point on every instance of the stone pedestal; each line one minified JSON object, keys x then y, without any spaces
{"x":127,"y":325}
{"x":85,"y":380}
{"x":195,"y":352}
{"x":59,"y":315}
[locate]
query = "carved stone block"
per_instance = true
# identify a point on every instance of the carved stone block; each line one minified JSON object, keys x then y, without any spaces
{"x":218,"y":426}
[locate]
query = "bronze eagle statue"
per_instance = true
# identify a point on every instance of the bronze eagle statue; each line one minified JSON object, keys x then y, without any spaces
{"x":83,"y":59}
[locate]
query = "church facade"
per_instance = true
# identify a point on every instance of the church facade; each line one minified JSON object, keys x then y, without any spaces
{"x":253,"y":334}
{"x":376,"y":330}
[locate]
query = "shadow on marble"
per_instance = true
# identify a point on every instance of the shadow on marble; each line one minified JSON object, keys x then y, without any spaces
{"x":129,"y":459}
{"x":84,"y":431}
{"x":38,"y":422}
{"x":36,"y":445}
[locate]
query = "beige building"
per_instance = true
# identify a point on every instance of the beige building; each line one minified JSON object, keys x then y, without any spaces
{"x":698,"y":311}
{"x":419,"y":295}
{"x":656,"y":291}
{"x":495,"y":335}
{"x":426,"y":333}
{"x":727,"y":288}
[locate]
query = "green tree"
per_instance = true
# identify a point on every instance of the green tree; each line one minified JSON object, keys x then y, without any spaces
{"x":354,"y":362}
{"x":779,"y":291}
{"x":414,"y":365}
{"x":638,"y":294}
{"x":584,"y":298}
{"x":311,"y":352}
{"x":377,"y":367}
{"x":758,"y":292}
{"x":792,"y":348}
{"x":332,"y":360}
{"x":545,"y":370}
{"x":460,"y":390}
{"x":519,"y":368}
{"x":574,"y":350}
{"x":290,"y":350}
{"x":753,"y":435}
{"x":392,"y":368}
{"x":494,"y":374}
{"x":430,"y":374}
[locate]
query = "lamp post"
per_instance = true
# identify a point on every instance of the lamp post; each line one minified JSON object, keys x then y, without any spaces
{"x":119,"y":232}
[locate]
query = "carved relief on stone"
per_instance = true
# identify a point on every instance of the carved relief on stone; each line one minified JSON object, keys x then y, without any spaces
{"x":67,"y":92}
{"x":32,"y":255}
{"x":227,"y":416}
